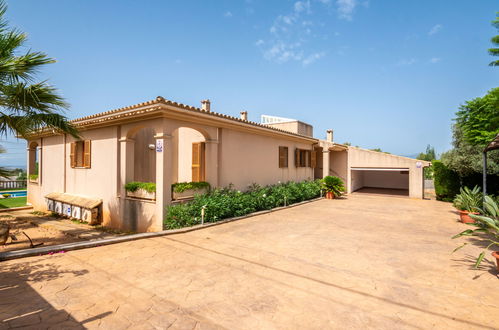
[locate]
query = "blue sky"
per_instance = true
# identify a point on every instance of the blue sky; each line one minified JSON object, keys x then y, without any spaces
{"x":381,"y":73}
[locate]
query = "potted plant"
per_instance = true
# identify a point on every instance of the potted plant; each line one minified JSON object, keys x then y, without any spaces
{"x":182,"y":190}
{"x":468,"y":201}
{"x":332,"y":186}
{"x":487,"y":222}
{"x":142,"y":190}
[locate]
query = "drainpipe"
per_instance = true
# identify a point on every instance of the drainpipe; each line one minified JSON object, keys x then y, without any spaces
{"x":484,"y":174}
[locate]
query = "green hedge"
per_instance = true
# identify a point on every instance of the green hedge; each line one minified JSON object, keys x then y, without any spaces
{"x":227,"y":202}
{"x":447,"y":182}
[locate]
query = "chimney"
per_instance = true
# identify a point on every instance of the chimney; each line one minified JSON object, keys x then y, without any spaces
{"x":244,"y":115}
{"x":206,"y":105}
{"x":329,"y":135}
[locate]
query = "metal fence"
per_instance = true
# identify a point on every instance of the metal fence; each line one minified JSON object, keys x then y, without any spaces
{"x":15,"y":184}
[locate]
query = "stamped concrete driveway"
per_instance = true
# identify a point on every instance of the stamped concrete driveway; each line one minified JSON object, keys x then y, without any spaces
{"x":361,"y":262}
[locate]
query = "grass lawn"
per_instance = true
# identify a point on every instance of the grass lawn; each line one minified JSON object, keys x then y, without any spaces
{"x":6,"y":203}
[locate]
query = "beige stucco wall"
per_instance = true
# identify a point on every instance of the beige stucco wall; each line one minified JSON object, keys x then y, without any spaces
{"x":339,"y":164}
{"x":295,"y":127}
{"x":247,"y":158}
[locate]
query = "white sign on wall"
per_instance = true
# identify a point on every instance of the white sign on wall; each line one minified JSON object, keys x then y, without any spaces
{"x":159,"y":145}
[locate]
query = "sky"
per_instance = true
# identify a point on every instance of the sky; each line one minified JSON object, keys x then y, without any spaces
{"x":386,"y":74}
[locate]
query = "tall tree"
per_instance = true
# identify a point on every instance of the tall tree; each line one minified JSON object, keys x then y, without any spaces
{"x":429,"y":155}
{"x":495,"y":40}
{"x":25,"y":104}
{"x":479,"y":119}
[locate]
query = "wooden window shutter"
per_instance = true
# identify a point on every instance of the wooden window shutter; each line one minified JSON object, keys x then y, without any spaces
{"x":297,"y":157}
{"x":313,"y":159}
{"x":87,"y":153}
{"x":198,"y":161}
{"x":283,"y":157}
{"x":72,"y":155}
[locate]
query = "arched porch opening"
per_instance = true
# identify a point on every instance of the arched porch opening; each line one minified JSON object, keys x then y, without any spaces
{"x":189,"y":155}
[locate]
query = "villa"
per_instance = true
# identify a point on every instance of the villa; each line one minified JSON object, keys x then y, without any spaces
{"x":165,"y":142}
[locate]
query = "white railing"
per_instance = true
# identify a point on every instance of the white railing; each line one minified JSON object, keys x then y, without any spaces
{"x":15,"y":184}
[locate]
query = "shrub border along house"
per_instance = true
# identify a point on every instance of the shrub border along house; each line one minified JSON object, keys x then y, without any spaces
{"x":226,"y":203}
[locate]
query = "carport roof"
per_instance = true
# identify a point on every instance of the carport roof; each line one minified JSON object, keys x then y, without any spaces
{"x":493,"y":145}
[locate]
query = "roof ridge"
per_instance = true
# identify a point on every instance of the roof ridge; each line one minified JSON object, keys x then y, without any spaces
{"x":162,"y":100}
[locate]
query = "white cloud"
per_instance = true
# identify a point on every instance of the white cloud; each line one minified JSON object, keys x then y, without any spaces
{"x":312,"y":58}
{"x":292,"y":34}
{"x":434,"y":60}
{"x":406,"y":62}
{"x":228,"y":14}
{"x":282,"y":52}
{"x":435,"y":29}
{"x":346,"y":8}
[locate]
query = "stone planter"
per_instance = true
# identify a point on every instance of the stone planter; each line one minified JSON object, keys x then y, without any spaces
{"x":189,"y":193}
{"x":142,"y":194}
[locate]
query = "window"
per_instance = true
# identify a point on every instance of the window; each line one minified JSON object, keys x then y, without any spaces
{"x":80,"y":154}
{"x":305,"y":158}
{"x":283,"y":157}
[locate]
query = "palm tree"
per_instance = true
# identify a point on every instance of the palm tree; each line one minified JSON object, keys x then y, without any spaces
{"x":26,"y":106}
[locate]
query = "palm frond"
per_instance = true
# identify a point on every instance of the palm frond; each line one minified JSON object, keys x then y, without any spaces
{"x":21,"y":97}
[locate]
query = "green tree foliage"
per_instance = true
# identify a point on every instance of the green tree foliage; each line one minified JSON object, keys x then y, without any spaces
{"x":479,"y":119}
{"x":429,"y":155}
{"x":465,"y":158}
{"x":495,"y":40}
{"x":26,"y":105}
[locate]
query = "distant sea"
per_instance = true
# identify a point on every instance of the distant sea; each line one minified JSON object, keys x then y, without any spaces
{"x":11,"y":167}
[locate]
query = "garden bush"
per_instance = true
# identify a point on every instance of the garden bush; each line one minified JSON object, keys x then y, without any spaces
{"x":447,"y":182}
{"x":227,"y":202}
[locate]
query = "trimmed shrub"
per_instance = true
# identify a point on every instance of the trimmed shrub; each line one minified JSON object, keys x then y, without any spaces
{"x":183,"y":186}
{"x":227,"y":202}
{"x":135,"y":185}
{"x":446,"y":181}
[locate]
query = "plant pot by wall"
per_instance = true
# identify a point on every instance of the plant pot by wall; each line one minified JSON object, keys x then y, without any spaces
{"x":142,"y":194}
{"x":329,"y":195}
{"x":496,"y":255}
{"x":189,"y":193}
{"x":465,"y":218}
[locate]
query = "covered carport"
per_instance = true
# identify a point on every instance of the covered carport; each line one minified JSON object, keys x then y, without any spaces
{"x":379,"y":172}
{"x":380,"y":180}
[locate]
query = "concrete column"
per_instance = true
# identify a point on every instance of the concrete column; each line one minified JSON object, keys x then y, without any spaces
{"x":164,"y":177}
{"x":211,"y":162}
{"x":325,"y":162}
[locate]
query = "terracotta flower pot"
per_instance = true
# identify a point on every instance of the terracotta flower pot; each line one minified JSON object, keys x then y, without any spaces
{"x":496,"y":255}
{"x":329,"y":195}
{"x":465,"y":218}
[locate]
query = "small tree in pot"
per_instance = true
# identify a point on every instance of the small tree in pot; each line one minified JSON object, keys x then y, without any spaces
{"x":468,"y":201}
{"x":332,"y":186}
{"x":487,"y":224}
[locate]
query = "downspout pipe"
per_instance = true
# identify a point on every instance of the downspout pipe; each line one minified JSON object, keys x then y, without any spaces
{"x":484,"y":157}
